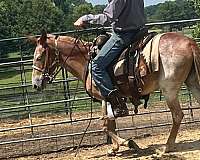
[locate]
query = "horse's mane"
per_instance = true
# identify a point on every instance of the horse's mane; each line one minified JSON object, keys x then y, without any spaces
{"x":68,"y":39}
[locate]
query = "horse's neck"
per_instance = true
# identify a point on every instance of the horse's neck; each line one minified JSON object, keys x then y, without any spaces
{"x":74,"y":59}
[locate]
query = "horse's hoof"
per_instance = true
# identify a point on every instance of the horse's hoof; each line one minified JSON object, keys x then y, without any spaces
{"x":111,"y":153}
{"x":167,"y":151}
{"x":133,"y":145}
{"x":105,"y":129}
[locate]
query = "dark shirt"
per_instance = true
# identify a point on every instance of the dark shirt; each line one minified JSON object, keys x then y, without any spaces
{"x":123,"y":15}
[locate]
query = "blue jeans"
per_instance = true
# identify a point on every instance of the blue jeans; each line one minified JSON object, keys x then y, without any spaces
{"x":109,"y":52}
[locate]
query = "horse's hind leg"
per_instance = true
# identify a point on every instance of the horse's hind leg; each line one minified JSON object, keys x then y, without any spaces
{"x":193,"y":85}
{"x":177,"y":116}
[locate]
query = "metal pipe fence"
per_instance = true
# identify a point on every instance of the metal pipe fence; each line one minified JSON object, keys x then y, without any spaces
{"x":52,"y":120}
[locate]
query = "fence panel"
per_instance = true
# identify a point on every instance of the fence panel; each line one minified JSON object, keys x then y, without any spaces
{"x":54,"y":119}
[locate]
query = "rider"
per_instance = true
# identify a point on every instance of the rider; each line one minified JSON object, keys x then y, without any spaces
{"x":127,"y":18}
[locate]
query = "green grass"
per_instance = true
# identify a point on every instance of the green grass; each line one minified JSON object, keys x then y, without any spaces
{"x":14,"y":55}
{"x":12,"y":76}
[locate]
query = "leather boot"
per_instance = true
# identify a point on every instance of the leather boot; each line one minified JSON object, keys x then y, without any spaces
{"x":118,"y":104}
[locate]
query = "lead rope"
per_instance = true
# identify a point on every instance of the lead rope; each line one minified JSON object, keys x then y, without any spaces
{"x":91,"y":104}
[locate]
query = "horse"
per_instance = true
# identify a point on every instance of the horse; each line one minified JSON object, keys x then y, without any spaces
{"x":179,"y":60}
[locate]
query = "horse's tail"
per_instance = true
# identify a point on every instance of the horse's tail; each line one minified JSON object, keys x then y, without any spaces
{"x":196,"y":59}
{"x":193,"y":79}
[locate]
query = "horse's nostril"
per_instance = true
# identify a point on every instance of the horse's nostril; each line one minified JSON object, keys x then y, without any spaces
{"x":35,"y":86}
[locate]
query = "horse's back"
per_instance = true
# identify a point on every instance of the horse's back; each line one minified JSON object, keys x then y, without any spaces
{"x":176,"y":59}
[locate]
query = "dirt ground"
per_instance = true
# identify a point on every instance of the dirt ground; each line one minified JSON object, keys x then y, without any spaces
{"x":150,"y":139}
{"x":152,"y":147}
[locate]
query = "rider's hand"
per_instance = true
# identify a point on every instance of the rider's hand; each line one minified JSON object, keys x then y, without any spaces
{"x":79,"y":23}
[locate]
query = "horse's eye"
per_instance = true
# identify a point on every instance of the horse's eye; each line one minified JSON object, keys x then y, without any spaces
{"x":39,"y":58}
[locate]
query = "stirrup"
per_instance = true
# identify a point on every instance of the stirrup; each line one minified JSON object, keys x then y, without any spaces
{"x":118,"y":104}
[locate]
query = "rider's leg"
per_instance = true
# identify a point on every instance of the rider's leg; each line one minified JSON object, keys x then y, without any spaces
{"x":112,"y":49}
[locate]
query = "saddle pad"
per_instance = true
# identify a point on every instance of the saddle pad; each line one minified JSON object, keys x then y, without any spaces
{"x":119,"y":67}
{"x":151,"y":53}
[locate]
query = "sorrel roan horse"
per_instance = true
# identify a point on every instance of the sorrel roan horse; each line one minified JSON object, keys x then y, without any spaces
{"x":179,"y":63}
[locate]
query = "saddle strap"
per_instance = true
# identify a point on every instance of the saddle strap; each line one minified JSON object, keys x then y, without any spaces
{"x":133,"y":79}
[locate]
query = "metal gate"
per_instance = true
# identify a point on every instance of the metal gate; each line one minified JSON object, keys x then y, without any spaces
{"x":52,"y":120}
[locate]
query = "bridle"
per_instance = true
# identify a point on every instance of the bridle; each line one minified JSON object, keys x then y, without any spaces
{"x":48,"y":67}
{"x":56,"y":63}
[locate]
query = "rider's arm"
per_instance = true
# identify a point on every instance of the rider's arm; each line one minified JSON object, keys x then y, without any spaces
{"x":95,"y":19}
{"x":109,"y":15}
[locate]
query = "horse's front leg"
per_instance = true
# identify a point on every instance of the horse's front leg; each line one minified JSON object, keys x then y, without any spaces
{"x":109,"y":128}
{"x":177,"y":116}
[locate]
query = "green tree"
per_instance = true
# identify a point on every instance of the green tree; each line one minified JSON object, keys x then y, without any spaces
{"x":196,"y":4}
{"x":98,"y":8}
{"x":150,"y":13}
{"x":22,"y":17}
{"x":175,"y":10}
{"x":171,"y":10}
{"x":82,"y":9}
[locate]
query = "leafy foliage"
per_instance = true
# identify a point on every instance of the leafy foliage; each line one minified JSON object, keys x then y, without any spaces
{"x":196,"y":4}
{"x":23,"y":17}
{"x":171,"y":10}
{"x":29,"y":16}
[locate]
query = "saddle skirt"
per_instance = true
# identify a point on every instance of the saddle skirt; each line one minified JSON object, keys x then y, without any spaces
{"x":149,"y":59}
{"x":133,"y":65}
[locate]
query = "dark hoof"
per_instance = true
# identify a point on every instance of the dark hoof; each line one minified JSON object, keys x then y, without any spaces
{"x":136,"y":110}
{"x":171,"y":148}
{"x":133,"y":145}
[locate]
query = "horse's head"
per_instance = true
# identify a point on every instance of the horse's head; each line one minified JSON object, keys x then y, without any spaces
{"x":44,"y":62}
{"x":71,"y":53}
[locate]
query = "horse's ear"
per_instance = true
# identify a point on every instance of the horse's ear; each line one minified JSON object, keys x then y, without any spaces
{"x":32,"y":39}
{"x":43,"y":37}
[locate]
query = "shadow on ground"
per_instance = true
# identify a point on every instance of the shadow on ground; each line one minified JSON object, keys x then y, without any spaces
{"x":152,"y":152}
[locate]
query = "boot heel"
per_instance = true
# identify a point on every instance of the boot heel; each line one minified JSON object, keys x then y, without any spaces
{"x":118,"y":104}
